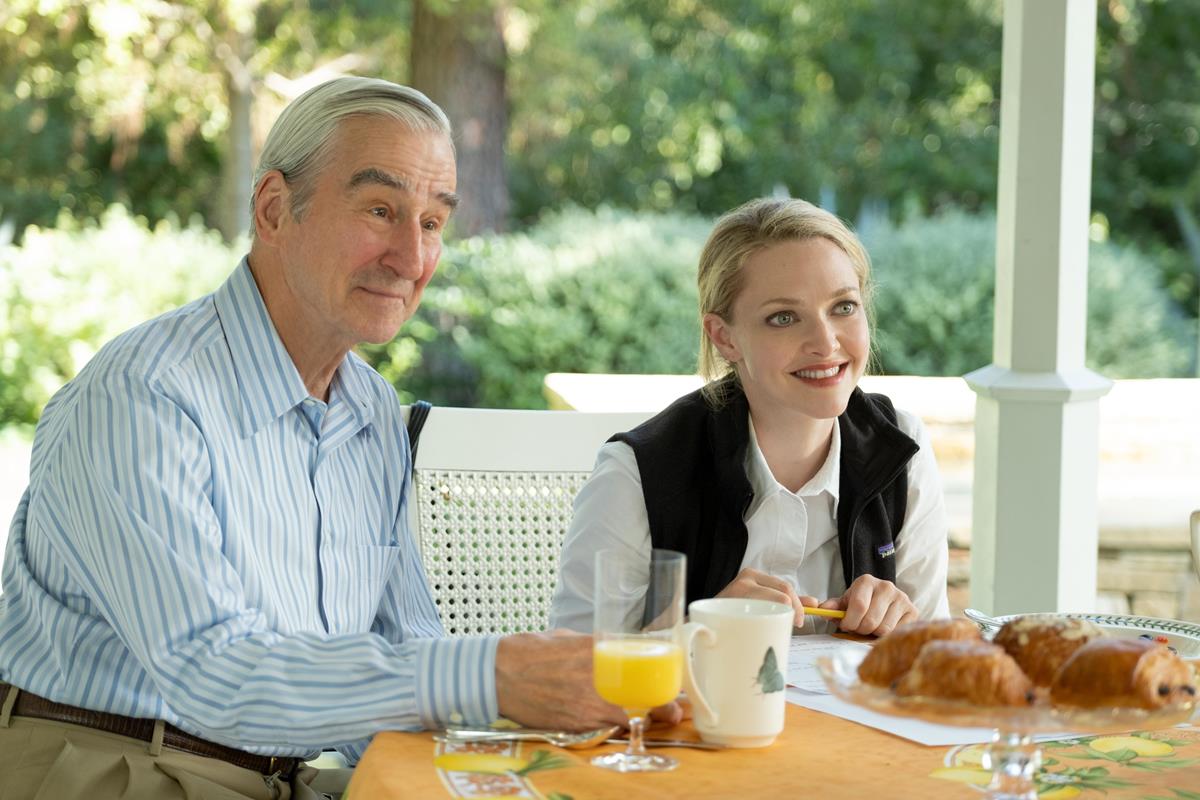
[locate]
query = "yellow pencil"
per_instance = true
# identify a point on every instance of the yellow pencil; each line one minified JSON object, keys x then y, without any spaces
{"x":832,"y":613}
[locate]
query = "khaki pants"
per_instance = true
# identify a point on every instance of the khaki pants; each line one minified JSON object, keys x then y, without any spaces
{"x":47,"y":760}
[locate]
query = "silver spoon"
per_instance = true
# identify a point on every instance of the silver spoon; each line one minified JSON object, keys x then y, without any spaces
{"x":570,"y":741}
{"x":982,"y":620}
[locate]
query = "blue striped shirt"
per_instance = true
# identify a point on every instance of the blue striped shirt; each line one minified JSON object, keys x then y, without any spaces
{"x":203,"y":542}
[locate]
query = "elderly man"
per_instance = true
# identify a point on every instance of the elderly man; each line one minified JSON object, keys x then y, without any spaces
{"x":210,"y":575}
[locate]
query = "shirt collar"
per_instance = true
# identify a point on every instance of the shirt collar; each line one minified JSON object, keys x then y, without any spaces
{"x":267,"y":378}
{"x":763,"y":482}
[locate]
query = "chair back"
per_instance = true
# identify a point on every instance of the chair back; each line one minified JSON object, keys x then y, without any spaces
{"x":491,"y":499}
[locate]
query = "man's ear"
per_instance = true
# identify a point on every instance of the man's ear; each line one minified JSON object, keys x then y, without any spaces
{"x":721,"y":336}
{"x":272,"y":198}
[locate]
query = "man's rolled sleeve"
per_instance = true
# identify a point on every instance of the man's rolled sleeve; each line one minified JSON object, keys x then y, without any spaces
{"x":456,"y":681}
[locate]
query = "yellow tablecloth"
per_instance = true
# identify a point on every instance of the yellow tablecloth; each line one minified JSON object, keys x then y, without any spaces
{"x":817,"y":756}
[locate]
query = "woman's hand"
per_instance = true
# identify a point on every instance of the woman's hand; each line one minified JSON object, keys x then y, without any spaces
{"x":751,"y":583}
{"x":873,"y":607}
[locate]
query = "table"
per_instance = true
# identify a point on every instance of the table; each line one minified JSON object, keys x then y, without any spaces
{"x":817,"y":756}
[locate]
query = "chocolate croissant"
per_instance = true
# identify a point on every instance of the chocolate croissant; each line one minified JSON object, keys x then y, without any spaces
{"x":1041,"y":643}
{"x":974,"y":672}
{"x":1124,"y":673}
{"x":892,"y":655}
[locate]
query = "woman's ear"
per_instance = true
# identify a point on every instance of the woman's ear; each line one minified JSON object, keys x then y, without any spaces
{"x":271,"y":199}
{"x":721,"y":336}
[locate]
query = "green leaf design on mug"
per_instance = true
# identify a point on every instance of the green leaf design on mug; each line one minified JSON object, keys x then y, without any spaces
{"x":769,"y":679}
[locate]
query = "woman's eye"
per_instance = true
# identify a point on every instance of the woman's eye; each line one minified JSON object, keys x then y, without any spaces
{"x":781,"y":319}
{"x":846,"y":307}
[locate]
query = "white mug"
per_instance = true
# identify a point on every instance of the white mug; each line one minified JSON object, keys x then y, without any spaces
{"x":737,"y":671}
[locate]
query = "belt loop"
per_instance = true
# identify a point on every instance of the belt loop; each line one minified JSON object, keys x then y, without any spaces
{"x":10,"y":700}
{"x":156,"y":740}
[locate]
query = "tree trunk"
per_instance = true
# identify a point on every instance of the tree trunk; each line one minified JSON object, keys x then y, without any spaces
{"x":459,"y":60}
{"x":233,"y":214}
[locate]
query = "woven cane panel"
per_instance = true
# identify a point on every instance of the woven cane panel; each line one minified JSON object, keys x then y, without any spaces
{"x":490,"y":542}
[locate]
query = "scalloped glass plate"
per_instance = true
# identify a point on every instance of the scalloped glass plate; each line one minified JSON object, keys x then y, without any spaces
{"x":840,"y":673}
{"x":1183,"y":636}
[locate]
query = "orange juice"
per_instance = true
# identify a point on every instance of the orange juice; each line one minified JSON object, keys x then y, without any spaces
{"x":637,"y":674}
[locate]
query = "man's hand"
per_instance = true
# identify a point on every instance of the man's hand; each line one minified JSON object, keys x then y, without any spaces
{"x":544,"y":680}
{"x":751,"y":583}
{"x":873,"y":607}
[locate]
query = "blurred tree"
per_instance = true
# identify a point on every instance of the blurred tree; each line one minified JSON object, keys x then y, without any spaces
{"x":871,"y":108}
{"x":1146,"y":182}
{"x":158,"y":105}
{"x":701,"y":104}
{"x":458,"y":58}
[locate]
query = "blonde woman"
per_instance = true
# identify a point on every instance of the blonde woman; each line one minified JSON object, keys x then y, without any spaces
{"x":780,"y":479}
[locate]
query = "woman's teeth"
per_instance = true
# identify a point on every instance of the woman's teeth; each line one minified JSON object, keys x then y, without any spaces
{"x":817,"y":373}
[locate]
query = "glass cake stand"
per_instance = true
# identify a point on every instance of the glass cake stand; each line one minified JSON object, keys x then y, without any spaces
{"x":1013,"y":756}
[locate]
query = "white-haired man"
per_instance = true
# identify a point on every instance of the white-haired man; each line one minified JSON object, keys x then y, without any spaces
{"x":210,"y":575}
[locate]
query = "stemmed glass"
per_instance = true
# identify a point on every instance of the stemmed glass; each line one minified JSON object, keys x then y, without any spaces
{"x":638,"y":663}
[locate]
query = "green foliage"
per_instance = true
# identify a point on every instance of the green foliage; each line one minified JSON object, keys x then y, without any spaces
{"x":579,"y":292}
{"x":128,"y":101}
{"x":700,"y":104}
{"x":65,"y":291}
{"x":663,"y":105}
{"x":933,"y":307}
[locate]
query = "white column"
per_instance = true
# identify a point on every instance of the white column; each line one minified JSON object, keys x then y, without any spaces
{"x":1034,"y":527}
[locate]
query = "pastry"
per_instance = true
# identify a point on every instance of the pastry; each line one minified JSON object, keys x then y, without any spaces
{"x":974,"y":672}
{"x":1124,"y":673}
{"x":894,"y":654}
{"x":1041,"y":643}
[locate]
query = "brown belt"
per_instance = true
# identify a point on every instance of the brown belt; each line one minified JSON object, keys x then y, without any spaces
{"x":34,"y":707}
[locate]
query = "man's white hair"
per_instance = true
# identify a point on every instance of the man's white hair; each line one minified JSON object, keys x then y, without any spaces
{"x":301,"y":138}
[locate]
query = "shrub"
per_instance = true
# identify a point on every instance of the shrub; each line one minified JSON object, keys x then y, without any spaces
{"x":580,"y":291}
{"x":67,"y":290}
{"x":934,"y":308}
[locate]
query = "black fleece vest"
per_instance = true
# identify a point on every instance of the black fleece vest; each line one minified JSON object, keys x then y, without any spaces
{"x":691,"y":457}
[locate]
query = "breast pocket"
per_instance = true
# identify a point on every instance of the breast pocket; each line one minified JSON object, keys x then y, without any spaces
{"x":358,"y":579}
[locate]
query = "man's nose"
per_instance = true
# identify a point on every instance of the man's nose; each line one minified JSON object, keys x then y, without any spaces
{"x":406,"y":249}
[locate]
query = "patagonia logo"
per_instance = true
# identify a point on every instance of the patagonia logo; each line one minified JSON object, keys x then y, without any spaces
{"x":886,"y":550}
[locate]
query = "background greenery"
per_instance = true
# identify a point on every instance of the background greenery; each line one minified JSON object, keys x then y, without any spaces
{"x":579,"y":291}
{"x":630,"y":125}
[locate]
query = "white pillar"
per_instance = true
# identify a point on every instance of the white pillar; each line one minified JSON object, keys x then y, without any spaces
{"x":1034,"y":526}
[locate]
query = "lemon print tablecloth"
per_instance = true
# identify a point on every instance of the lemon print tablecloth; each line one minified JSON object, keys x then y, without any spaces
{"x":817,"y":756}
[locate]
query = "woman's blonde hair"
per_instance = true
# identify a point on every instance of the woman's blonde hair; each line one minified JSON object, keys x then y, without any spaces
{"x":740,"y":234}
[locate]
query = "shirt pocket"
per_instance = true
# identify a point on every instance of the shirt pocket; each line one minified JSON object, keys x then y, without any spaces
{"x":358,"y":577}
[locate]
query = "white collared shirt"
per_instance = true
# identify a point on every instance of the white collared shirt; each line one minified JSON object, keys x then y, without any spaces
{"x":791,"y":535}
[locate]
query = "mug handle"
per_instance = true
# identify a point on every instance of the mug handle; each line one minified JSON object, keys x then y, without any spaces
{"x":687,"y":633}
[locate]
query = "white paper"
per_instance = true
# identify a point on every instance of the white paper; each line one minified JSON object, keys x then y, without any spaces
{"x":807,"y":689}
{"x":802,"y":659}
{"x":914,"y":730}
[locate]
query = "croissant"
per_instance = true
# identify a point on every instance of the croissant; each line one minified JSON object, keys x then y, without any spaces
{"x":1041,"y":643}
{"x":1126,"y":673}
{"x":974,"y":672}
{"x":894,"y":654}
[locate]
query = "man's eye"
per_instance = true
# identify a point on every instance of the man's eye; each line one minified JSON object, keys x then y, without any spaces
{"x":380,"y":211}
{"x":433,"y":225}
{"x":781,"y":319}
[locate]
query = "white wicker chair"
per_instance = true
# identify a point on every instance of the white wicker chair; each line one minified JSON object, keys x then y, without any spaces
{"x":491,"y":501}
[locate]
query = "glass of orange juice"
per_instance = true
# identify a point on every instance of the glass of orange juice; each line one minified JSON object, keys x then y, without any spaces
{"x":637,"y":662}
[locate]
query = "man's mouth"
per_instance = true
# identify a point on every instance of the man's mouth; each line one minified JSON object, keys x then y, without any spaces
{"x":391,"y":295}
